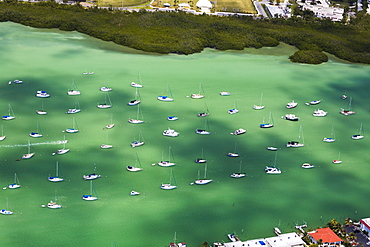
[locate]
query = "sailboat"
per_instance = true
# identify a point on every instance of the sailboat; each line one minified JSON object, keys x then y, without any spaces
{"x":139,"y":142}
{"x":105,"y":146}
{"x":111,"y":125}
{"x":349,"y":111}
{"x":64,"y":149}
{"x":204,"y":131}
{"x":166,"y":98}
{"x":137,"y":120}
{"x":137,"y":166}
{"x":10,"y":115}
{"x":234,"y":110}
{"x":105,"y":89}
{"x":53,"y":204}
{"x":239,"y":132}
{"x":260,"y":106}
{"x":77,"y":108}
{"x":42,"y":111}
{"x":56,"y":178}
{"x":238,"y":174}
{"x":360,"y":135}
{"x":2,"y":137}
{"x":90,"y":197}
{"x":235,"y":154}
{"x":198,"y":95}
{"x":296,"y":144}
{"x":6,"y":211}
{"x":269,"y":124}
{"x":36,"y":134}
{"x":202,"y":159}
{"x":273,"y":169}
{"x":91,"y":176}
{"x":73,"y":129}
{"x":169,"y":186}
{"x":205,"y":112}
{"x":74,"y":90}
{"x":332,"y":136}
{"x":167,"y":163}
{"x":136,"y":101}
{"x":204,"y":180}
{"x":16,"y":184}
{"x":105,"y":104}
{"x":338,"y":161}
{"x":29,"y":154}
{"x":134,"y":84}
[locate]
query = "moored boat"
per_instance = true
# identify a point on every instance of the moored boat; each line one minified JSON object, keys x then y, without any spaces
{"x":307,"y":165}
{"x":105,"y":89}
{"x":224,"y":93}
{"x":42,"y":94}
{"x":272,"y":170}
{"x":202,"y":132}
{"x":91,"y":176}
{"x":291,"y":105}
{"x":170,"y":132}
{"x":319,"y":113}
{"x":291,"y":117}
{"x":134,"y":193}
{"x":238,"y":132}
{"x":53,"y":205}
{"x":133,"y":168}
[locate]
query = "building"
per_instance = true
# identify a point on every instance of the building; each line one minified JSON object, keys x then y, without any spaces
{"x":283,"y":240}
{"x":328,"y":237}
{"x":365,"y":224}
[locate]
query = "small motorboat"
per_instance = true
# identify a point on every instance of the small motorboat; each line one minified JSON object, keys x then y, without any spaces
{"x":233,"y":111}
{"x":272,"y":170}
{"x":35,"y":134}
{"x":164,"y":98}
{"x":41,"y":112}
{"x":337,"y":161}
{"x":133,"y":169}
{"x":134,"y":102}
{"x":291,"y":105}
{"x":272,"y":148}
{"x":202,"y":114}
{"x":137,"y":144}
{"x":134,"y":193}
{"x":104,"y":106}
{"x":72,"y":111}
{"x":53,"y":205}
{"x":238,"y":132}
{"x":232,"y":155}
{"x":291,"y":117}
{"x":319,"y":113}
{"x":307,"y":165}
{"x":42,"y":94}
{"x":237,"y":175}
{"x":73,"y":92}
{"x":202,"y":132}
{"x":172,"y":118}
{"x":294,"y":144}
{"x":105,"y":146}
{"x":170,"y":132}
{"x":134,"y":84}
{"x":197,"y":96}
{"x":224,"y":93}
{"x":91,"y":176}
{"x":314,"y":102}
{"x":200,"y":160}
{"x":328,"y":139}
{"x":6,"y":212}
{"x":105,"y":89}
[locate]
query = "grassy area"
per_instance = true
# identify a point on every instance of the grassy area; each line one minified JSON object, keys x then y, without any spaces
{"x":240,"y":6}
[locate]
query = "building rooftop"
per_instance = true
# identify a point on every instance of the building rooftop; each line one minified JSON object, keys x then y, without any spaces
{"x":326,"y":235}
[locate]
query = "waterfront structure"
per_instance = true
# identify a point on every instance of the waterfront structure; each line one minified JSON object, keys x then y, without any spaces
{"x":365,"y":224}
{"x":327,"y":236}
{"x":284,"y":240}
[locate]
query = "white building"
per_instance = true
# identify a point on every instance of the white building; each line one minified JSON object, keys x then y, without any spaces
{"x":365,"y":224}
{"x":204,"y":5}
{"x":283,"y":240}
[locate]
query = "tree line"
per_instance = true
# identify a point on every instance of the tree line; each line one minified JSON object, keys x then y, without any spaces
{"x":182,"y":33}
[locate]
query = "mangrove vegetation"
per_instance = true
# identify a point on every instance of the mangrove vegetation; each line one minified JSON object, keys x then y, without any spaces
{"x":182,"y":33}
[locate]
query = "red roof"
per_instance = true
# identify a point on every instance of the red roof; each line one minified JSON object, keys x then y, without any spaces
{"x":326,"y":234}
{"x":365,"y":222}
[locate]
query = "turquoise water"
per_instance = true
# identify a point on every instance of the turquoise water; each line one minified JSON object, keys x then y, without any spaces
{"x":51,"y":60}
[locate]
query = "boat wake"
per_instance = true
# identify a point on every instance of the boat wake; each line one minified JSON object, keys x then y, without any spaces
{"x":34,"y":144}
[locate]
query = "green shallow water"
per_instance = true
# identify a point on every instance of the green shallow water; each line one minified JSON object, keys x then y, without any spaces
{"x":50,"y":60}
